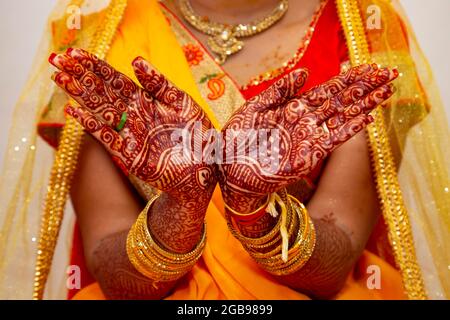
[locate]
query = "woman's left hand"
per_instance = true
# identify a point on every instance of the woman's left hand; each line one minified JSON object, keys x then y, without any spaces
{"x":280,"y":136}
{"x":144,"y":130}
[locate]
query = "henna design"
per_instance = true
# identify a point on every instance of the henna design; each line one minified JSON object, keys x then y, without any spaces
{"x":257,"y":228}
{"x":117,"y":276}
{"x":342,"y":104}
{"x":144,"y":147}
{"x":326,"y":271}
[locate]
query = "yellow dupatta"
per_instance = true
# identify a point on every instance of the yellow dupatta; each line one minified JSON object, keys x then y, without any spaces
{"x":410,"y":146}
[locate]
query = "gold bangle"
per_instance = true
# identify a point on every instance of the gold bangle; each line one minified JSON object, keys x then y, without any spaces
{"x":167,"y":254}
{"x":256,"y":241}
{"x":234,"y":212}
{"x":307,"y":243}
{"x":153,"y":261}
{"x":256,"y":251}
{"x":301,"y":250}
{"x":292,"y":222}
{"x":298,"y":260}
{"x":271,"y":237}
{"x":263,"y":258}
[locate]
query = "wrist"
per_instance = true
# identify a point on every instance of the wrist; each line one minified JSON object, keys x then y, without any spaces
{"x":176,"y":226}
{"x":244,"y":203}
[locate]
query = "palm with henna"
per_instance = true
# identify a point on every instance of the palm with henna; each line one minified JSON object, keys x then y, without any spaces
{"x":145,"y":146}
{"x":308,"y":127}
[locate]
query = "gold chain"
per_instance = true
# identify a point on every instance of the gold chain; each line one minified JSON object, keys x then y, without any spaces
{"x":223,"y":37}
{"x":394,"y":211}
{"x":65,"y":163}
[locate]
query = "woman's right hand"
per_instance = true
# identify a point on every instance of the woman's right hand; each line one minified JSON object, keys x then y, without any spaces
{"x":148,"y":146}
{"x":305,"y":129}
{"x":145,"y":146}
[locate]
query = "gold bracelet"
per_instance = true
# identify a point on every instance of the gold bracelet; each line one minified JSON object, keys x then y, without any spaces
{"x":279,"y":230}
{"x":282,"y":260}
{"x":151,"y":264}
{"x":305,"y":242}
{"x":171,"y":256}
{"x":261,"y":253}
{"x":298,"y":260}
{"x":301,"y":250}
{"x":298,"y":246}
{"x":265,"y":259}
{"x":256,"y":251}
{"x":256,"y":241}
{"x":234,"y":212}
{"x":153,"y":261}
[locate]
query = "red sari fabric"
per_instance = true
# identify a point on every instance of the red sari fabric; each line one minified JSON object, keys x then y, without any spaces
{"x":326,"y":52}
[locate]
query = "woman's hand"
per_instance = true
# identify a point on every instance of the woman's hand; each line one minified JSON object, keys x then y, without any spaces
{"x":144,"y":146}
{"x":304,"y":130}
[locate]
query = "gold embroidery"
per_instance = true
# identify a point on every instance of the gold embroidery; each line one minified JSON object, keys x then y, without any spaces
{"x":215,"y":86}
{"x":65,"y":161}
{"x":288,"y":65}
{"x":388,"y":187}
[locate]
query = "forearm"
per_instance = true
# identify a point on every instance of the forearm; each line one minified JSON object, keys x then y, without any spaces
{"x":167,"y":222}
{"x":324,"y":275}
{"x":344,"y":209}
{"x":176,"y":222}
{"x":326,"y":270}
{"x":116,"y":275}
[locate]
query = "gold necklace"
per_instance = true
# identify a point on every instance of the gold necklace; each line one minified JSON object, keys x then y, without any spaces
{"x":223,"y":38}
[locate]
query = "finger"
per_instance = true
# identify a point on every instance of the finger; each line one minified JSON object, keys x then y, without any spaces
{"x":67,"y":64}
{"x":279,"y":93}
{"x":363,"y":106}
{"x":355,"y":92}
{"x":317,"y":95}
{"x":326,"y":110}
{"x":369,"y":102}
{"x":158,"y":85}
{"x":327,"y":141}
{"x":284,"y":89}
{"x":367,"y":84}
{"x":293,"y":110}
{"x":102,"y":132}
{"x":69,"y":84}
{"x":120,"y":83}
{"x":89,"y":92}
{"x":349,"y":129}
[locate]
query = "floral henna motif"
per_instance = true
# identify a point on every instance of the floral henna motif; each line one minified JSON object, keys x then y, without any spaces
{"x":145,"y":146}
{"x":307,"y":126}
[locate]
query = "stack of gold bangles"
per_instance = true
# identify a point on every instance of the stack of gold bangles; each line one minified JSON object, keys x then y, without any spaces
{"x":268,"y":250}
{"x":152,"y":260}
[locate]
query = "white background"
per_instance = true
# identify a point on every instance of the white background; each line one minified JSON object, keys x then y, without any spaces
{"x":22,"y":23}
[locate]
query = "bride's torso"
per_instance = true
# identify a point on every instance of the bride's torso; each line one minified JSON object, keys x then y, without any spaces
{"x":308,"y":36}
{"x":266,"y":50}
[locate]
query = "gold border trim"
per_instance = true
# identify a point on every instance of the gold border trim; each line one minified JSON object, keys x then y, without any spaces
{"x":295,"y":59}
{"x":391,"y":199}
{"x":65,"y":161}
{"x":232,"y":98}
